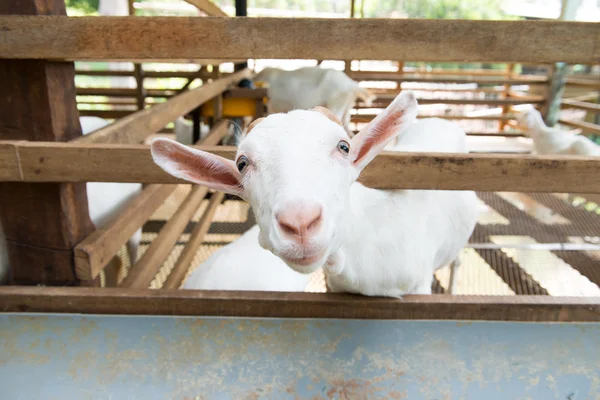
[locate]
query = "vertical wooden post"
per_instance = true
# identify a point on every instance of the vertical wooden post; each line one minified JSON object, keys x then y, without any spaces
{"x":400,"y":71}
{"x":42,"y":222}
{"x":138,"y":72}
{"x":510,"y":68}
{"x":218,"y":102}
{"x":556,"y":87}
{"x":348,"y":64}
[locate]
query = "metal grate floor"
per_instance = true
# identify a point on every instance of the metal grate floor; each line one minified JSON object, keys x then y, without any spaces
{"x":517,"y":248}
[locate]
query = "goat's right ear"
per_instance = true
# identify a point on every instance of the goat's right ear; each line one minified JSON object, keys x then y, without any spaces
{"x":380,"y":131}
{"x":196,"y":166}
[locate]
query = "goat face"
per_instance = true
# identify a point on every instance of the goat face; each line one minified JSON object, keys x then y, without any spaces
{"x":295,"y":169}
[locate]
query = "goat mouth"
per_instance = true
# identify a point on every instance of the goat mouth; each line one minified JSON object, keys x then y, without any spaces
{"x":307,"y":260}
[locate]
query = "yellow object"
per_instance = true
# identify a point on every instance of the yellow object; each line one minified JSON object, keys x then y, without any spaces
{"x":232,"y":107}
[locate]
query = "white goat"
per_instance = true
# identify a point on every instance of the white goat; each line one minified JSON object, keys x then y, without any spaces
{"x":244,"y":265}
{"x":184,"y":131}
{"x":310,"y":87}
{"x":105,"y":200}
{"x":298,"y":171}
{"x":554,"y":140}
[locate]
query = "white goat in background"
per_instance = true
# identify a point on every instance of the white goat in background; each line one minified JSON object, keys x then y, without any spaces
{"x":244,"y":265}
{"x":309,"y":87}
{"x":105,"y":200}
{"x":298,"y":171}
{"x":555,"y":140}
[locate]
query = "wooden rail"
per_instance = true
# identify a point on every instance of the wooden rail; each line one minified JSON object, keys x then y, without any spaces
{"x":143,"y":272}
{"x":583,"y":83}
{"x":297,"y":305}
{"x":586,"y":127}
{"x":369,"y":117}
{"x":177,"y":275}
{"x":384,"y":100}
{"x":580,"y":105}
{"x":118,"y":38}
{"x":92,"y":254}
{"x":395,"y":77}
{"x":135,"y":127}
{"x":45,"y":162}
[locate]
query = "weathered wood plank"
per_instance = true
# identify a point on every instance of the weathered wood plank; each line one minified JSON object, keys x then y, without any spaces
{"x":581,"y":105}
{"x":177,"y":275}
{"x":42,"y":222}
{"x":307,"y":38}
{"x":92,"y":254}
{"x":369,"y":117}
{"x":397,"y":77}
{"x":143,"y":272}
{"x":586,"y":127}
{"x":135,"y":127}
{"x":45,"y":162}
{"x":297,"y":305}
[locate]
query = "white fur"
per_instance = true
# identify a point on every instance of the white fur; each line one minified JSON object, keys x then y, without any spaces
{"x":308,"y":87}
{"x":105,"y":200}
{"x":373,"y":242}
{"x":244,"y":265}
{"x":554,"y":140}
{"x":184,"y":131}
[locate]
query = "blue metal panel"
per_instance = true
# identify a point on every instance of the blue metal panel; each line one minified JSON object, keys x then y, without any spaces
{"x":120,"y":357}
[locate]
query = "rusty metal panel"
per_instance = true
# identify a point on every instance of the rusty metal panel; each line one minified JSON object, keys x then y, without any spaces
{"x":110,"y":357}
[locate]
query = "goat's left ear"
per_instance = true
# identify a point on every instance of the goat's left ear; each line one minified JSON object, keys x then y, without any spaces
{"x":371,"y":140}
{"x":196,"y":166}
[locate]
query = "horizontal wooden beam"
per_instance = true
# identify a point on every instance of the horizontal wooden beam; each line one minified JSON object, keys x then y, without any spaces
{"x":123,"y":92}
{"x":369,"y":117}
{"x":106,"y":114}
{"x":581,"y":105}
{"x":450,"y":72}
{"x":384,"y":100}
{"x":297,"y":305}
{"x":129,"y":38}
{"x":583,"y":83}
{"x":135,"y":127}
{"x":396,"y":77}
{"x":46,"y":162}
{"x":586,"y":127}
{"x":147,"y":74}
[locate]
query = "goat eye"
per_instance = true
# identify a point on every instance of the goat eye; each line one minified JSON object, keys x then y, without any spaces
{"x":343,"y":146}
{"x":242,"y":163}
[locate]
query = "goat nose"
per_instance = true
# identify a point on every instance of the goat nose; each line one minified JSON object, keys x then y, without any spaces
{"x":299,"y":222}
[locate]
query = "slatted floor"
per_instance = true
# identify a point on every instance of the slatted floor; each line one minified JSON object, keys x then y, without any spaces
{"x":511,"y":225}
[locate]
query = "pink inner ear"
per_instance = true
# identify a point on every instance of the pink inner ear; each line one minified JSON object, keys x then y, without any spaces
{"x":378,"y":132}
{"x":206,"y":169}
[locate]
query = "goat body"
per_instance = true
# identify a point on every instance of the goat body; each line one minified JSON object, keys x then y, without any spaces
{"x":298,"y":171}
{"x":413,"y":232}
{"x":554,"y":140}
{"x":244,"y":265}
{"x":308,"y":87}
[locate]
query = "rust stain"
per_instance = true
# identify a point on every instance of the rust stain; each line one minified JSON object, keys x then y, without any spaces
{"x":398,"y":395}
{"x":351,"y":389}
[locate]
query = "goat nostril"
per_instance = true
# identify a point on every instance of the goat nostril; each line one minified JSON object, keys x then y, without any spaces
{"x":314,"y":223}
{"x":289,"y":229}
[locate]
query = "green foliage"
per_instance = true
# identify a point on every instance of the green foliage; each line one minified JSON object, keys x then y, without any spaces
{"x":83,"y":6}
{"x":454,"y":9}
